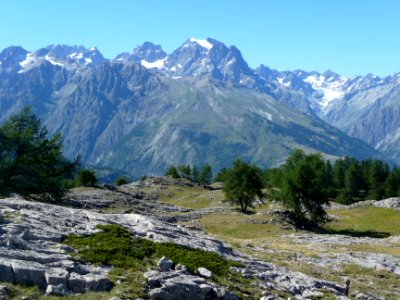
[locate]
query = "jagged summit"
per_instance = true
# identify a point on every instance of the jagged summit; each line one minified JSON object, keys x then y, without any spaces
{"x":149,"y":52}
{"x":17,"y":59}
{"x":12,"y":56}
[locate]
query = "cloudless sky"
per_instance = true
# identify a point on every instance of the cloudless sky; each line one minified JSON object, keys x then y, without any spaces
{"x":347,"y":36}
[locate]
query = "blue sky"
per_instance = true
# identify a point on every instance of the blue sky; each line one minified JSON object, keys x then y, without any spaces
{"x":347,"y":36}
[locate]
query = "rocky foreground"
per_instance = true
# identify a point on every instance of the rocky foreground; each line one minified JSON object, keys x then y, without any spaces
{"x":31,"y":252}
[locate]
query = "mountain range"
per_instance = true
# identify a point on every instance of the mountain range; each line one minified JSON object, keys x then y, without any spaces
{"x":145,"y":110}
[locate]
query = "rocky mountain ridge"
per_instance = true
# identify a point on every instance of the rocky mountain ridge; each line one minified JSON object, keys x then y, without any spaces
{"x":114,"y":111}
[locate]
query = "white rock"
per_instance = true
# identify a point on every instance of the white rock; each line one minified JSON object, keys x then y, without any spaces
{"x":204,"y":272}
{"x":58,"y":290}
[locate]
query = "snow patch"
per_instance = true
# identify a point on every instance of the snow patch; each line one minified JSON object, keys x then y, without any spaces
{"x":203,"y":43}
{"x":231,"y":61}
{"x":88,"y":61}
{"x":159,"y":64}
{"x":263,"y":114}
{"x":76,"y":55}
{"x":331,"y":89}
{"x":30,"y":58}
{"x":266,"y":115}
{"x":52,"y":61}
{"x":280,"y":80}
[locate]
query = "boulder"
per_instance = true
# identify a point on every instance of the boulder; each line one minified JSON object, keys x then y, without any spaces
{"x":270,"y":297}
{"x":56,"y":276}
{"x":174,"y":285}
{"x":165,"y":264}
{"x":204,"y":272}
{"x":57,"y":290}
{"x":28,"y":272}
{"x":90,"y":282}
{"x":180,"y":267}
{"x":77,"y":283}
{"x":6,"y":272}
{"x":312,"y":294}
{"x":97,"y":282}
{"x":4,"y":292}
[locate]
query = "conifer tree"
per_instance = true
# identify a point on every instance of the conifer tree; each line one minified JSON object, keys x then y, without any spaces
{"x":31,"y":162}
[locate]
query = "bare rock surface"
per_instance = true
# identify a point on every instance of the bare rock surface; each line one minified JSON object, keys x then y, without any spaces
{"x":37,"y":255}
{"x":127,"y":199}
{"x":390,"y":203}
{"x":179,"y":284}
{"x":335,"y":260}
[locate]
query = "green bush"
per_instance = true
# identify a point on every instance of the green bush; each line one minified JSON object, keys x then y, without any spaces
{"x":86,"y":178}
{"x":69,"y":184}
{"x":120,"y":181}
{"x":114,"y":245}
{"x":195,"y":258}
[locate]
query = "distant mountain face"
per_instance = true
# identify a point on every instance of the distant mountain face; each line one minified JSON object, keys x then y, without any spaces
{"x":145,"y":110}
{"x":363,"y":107}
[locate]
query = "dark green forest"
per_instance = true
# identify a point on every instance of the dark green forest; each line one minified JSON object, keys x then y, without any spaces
{"x":348,"y":180}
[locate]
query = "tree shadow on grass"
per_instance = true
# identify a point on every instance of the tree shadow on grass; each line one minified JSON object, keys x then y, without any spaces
{"x":249,"y":211}
{"x":358,"y":233}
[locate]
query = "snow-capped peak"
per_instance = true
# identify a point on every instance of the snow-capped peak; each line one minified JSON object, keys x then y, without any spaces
{"x":203,"y":43}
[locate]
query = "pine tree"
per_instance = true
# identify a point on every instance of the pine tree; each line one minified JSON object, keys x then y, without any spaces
{"x":184,"y":171}
{"x":242,"y":184}
{"x":173,"y":172}
{"x":303,"y":189}
{"x":392,"y":183}
{"x":352,"y":184}
{"x":205,"y":175}
{"x":195,"y":174}
{"x":31,"y":163}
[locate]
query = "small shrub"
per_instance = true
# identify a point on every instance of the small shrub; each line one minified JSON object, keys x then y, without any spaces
{"x":69,"y":184}
{"x":195,"y":258}
{"x":114,"y":245}
{"x":131,"y":256}
{"x":86,"y":178}
{"x":120,"y":181}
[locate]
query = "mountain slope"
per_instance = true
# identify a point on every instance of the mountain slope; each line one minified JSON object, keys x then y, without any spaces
{"x":125,"y":115}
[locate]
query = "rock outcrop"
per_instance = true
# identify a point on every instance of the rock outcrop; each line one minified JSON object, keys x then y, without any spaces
{"x":31,"y":251}
{"x":179,"y":284}
{"x":389,"y":203}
